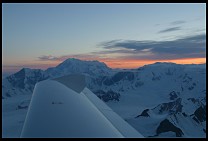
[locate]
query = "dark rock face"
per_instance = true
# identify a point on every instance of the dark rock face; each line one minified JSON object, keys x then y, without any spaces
{"x":194,"y":118}
{"x":21,"y":78}
{"x":123,"y":75}
{"x":139,"y":83}
{"x":200,"y":113}
{"x":155,"y":77}
{"x":173,"y":95}
{"x":191,"y":88}
{"x":8,"y":95}
{"x":166,"y":126}
{"x":108,"y":82}
{"x":171,"y":107}
{"x":144,"y":113}
{"x":98,"y":81}
{"x":109,"y":95}
{"x":17,"y":80}
{"x":23,"y":105}
{"x":187,"y":79}
{"x":193,"y":100}
{"x":184,"y":114}
{"x":169,"y":72}
{"x":118,"y":77}
{"x":36,"y":78}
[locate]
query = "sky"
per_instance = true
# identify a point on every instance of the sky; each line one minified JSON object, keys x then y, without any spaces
{"x":120,"y":35}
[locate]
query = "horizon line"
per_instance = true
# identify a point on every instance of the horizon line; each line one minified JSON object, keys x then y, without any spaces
{"x":11,"y":69}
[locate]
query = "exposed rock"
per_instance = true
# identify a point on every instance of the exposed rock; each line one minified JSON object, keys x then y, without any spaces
{"x":118,"y":77}
{"x":139,"y":83}
{"x":200,"y":113}
{"x":184,"y":114}
{"x":109,"y":95}
{"x":171,"y":107}
{"x":173,"y":95}
{"x":144,"y":113}
{"x":23,"y":105}
{"x":166,"y":126}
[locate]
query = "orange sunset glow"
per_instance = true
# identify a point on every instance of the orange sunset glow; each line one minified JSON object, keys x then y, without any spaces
{"x":128,"y":64}
{"x":131,"y":64}
{"x":112,"y":63}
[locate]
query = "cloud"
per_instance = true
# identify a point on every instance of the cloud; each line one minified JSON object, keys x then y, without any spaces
{"x":64,"y":57}
{"x":47,"y":57}
{"x":178,"y":22}
{"x":187,"y":47}
{"x":170,"y":29}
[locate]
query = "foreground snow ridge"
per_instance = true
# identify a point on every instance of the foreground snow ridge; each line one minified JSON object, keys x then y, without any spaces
{"x":65,"y":107}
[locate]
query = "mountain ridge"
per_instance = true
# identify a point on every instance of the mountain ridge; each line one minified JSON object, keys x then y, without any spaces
{"x":174,"y":94}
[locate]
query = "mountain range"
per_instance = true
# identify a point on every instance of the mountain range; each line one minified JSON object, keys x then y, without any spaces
{"x":158,"y":100}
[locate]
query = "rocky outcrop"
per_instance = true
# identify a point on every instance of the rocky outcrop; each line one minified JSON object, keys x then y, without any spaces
{"x":166,"y":126}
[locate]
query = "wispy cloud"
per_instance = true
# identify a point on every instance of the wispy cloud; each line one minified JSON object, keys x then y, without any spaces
{"x":188,"y":47}
{"x":170,"y":29}
{"x":47,"y":57}
{"x":178,"y":22}
{"x":64,"y":57}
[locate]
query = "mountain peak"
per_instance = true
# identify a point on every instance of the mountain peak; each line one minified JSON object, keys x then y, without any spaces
{"x":159,"y":64}
{"x":74,"y":61}
{"x":170,"y":63}
{"x":73,"y":65}
{"x":25,"y":69}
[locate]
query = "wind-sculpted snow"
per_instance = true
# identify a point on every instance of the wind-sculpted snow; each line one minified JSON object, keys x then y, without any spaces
{"x":169,"y":91}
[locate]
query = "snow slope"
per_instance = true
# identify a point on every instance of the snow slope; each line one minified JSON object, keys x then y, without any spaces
{"x":71,"y":65}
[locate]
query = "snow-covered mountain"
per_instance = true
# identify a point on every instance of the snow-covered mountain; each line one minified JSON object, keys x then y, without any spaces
{"x":71,"y":65}
{"x":22,"y":82}
{"x":150,"y":98}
